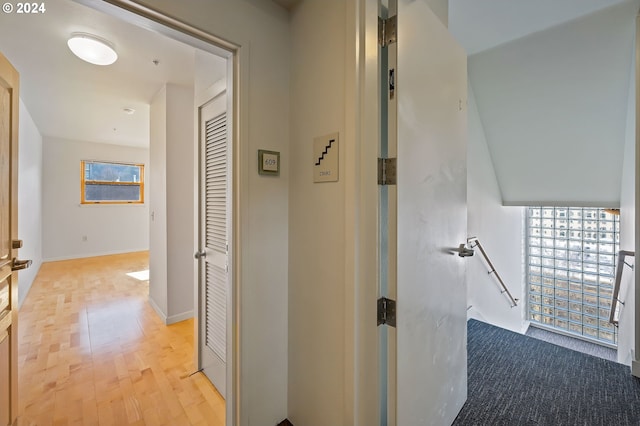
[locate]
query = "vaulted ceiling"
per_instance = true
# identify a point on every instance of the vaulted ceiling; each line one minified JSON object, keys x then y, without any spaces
{"x":481,"y":25}
{"x":553,"y":89}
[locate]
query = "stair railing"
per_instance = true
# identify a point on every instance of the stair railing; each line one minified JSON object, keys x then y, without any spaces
{"x":622,"y":254}
{"x":474,"y":242}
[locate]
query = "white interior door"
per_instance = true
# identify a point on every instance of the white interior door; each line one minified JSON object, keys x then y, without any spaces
{"x":215,"y":223}
{"x":430,"y":92}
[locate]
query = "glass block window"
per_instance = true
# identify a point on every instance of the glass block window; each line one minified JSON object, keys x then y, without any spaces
{"x":111,"y":183}
{"x":572,"y":255}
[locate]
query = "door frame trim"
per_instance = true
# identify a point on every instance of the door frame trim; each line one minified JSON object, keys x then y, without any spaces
{"x":14,"y":86}
{"x":362,"y":129}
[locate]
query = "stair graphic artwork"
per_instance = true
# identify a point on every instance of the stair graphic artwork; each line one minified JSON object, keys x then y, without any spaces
{"x":325,"y":152}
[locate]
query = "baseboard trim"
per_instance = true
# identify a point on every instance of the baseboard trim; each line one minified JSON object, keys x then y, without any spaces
{"x":285,"y":422}
{"x":23,"y":291}
{"x":88,"y":255}
{"x":168,"y":320}
{"x":180,"y":317}
{"x":156,"y":308}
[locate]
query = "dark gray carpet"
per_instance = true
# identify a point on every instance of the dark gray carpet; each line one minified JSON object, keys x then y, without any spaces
{"x":573,"y":343}
{"x":521,"y":381}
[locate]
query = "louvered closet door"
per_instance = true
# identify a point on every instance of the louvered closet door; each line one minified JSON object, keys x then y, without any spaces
{"x":214,"y":225}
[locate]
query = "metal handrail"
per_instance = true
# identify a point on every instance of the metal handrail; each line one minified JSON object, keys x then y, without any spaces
{"x":474,"y":240}
{"x":622,"y":254}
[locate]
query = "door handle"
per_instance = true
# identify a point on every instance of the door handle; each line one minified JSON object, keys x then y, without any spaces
{"x":200,"y":254}
{"x":19,"y":265}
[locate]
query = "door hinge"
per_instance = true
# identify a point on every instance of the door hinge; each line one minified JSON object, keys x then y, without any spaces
{"x":387,"y":31}
{"x":386,"y":312}
{"x":386,"y":171}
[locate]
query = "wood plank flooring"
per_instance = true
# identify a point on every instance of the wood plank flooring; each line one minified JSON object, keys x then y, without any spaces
{"x":92,"y":351}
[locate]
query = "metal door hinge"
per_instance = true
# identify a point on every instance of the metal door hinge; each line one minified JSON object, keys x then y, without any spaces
{"x":386,"y":312}
{"x":386,"y":171}
{"x":387,"y":31}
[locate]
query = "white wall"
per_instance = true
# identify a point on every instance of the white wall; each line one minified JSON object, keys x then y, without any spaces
{"x":171,"y":277}
{"x":209,"y":69}
{"x":626,"y":329}
{"x":29,"y":199}
{"x":180,"y":195}
{"x":317,"y":219}
{"x":499,"y":229}
{"x":441,"y":10}
{"x":261,"y":30}
{"x":481,"y":25}
{"x":157,"y":179}
{"x":108,"y":229}
{"x":553,"y":105}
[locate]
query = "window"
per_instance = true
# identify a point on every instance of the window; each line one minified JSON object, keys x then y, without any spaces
{"x":111,"y":183}
{"x":571,"y":270}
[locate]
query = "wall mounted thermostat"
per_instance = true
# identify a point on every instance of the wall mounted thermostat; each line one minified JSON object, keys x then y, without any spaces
{"x":268,"y":162}
{"x":325,"y":158}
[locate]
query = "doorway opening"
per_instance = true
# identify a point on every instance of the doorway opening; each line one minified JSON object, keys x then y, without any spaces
{"x":204,"y":46}
{"x":212,"y":235}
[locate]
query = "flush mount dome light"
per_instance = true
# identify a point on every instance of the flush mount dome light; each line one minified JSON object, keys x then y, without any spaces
{"x":92,"y":49}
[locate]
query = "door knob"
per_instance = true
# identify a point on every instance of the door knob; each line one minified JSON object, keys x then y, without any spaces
{"x":200,"y":254}
{"x":19,"y":265}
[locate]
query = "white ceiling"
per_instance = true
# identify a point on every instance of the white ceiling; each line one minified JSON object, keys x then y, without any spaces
{"x":482,"y":24}
{"x":555,"y":106}
{"x":71,"y":99}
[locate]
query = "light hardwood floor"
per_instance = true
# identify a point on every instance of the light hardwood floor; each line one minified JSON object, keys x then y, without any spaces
{"x":92,"y":351}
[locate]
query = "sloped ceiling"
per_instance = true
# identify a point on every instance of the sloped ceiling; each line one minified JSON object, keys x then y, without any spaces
{"x":481,"y":25}
{"x":553,"y":106}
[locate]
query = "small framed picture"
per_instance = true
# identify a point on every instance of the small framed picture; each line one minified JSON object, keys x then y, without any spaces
{"x":268,"y":162}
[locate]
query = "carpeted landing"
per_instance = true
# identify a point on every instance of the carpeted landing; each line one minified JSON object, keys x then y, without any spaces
{"x":518,"y":380}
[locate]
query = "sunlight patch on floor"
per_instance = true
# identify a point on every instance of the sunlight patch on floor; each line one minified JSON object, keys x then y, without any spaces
{"x":140,"y":275}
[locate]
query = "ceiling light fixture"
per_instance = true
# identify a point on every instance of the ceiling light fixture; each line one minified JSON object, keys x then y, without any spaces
{"x":92,"y":49}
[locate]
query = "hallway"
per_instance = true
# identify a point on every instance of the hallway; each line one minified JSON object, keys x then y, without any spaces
{"x":93,"y":351}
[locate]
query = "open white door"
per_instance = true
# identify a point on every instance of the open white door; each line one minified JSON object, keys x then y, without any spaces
{"x":426,"y":94}
{"x":215,"y":202}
